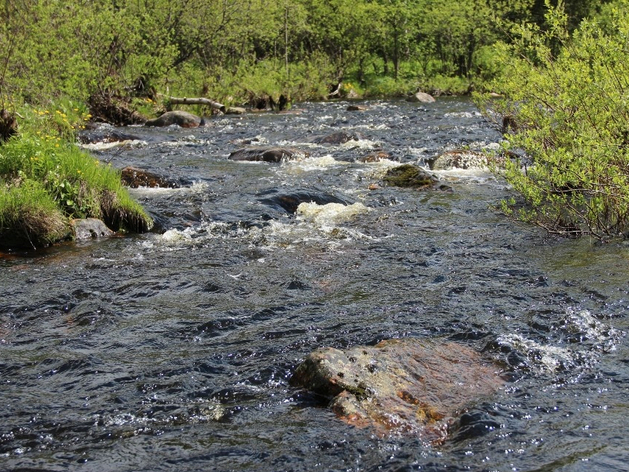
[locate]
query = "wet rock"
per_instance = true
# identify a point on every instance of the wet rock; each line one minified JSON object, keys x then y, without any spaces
{"x":421,"y":97}
{"x":375,"y":156}
{"x":90,"y":228}
{"x":357,"y":108}
{"x":105,"y":134}
{"x":290,"y":201}
{"x":459,"y":159}
{"x":404,"y":386}
{"x":409,"y":175}
{"x":178,"y":117}
{"x":266,"y":154}
{"x":340,"y":137}
{"x":134,"y":178}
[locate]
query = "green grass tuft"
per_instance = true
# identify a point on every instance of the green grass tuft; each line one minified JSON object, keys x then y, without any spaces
{"x":45,"y":174}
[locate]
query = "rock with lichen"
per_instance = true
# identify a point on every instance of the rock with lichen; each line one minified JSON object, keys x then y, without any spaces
{"x":459,"y":159}
{"x":405,"y":386}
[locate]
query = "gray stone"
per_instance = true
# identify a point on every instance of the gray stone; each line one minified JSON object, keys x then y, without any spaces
{"x":90,"y":228}
{"x":421,"y":97}
{"x":180,"y":118}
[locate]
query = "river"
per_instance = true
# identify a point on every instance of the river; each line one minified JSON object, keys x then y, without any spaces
{"x":172,"y":350}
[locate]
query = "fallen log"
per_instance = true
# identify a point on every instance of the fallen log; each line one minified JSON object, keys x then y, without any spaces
{"x":196,"y":101}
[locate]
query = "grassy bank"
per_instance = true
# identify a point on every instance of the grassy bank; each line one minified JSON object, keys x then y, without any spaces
{"x":46,"y":181}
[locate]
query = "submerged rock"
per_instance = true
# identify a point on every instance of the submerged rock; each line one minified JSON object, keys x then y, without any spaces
{"x":459,"y":159}
{"x":290,"y":201}
{"x":405,"y":386}
{"x":266,"y":154}
{"x":409,"y":175}
{"x":180,"y":118}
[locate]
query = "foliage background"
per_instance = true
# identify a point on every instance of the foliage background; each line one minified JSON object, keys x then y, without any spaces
{"x":237,"y":50}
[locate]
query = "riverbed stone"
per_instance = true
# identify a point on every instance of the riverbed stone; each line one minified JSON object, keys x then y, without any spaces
{"x":177,"y":117}
{"x":406,"y":386}
{"x":267,"y":154}
{"x":410,"y":176}
{"x":459,"y":159}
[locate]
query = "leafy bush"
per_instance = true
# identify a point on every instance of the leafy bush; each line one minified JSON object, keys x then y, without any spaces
{"x":566,"y":99}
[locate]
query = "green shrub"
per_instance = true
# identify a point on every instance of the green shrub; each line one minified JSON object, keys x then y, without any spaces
{"x":567,"y":100}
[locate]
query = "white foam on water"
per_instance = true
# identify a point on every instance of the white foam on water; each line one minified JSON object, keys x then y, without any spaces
{"x":330,"y":214}
{"x":196,"y":187}
{"x":473,"y":175}
{"x":310,"y":164}
{"x":592,"y":336}
{"x":361,"y":144}
{"x":462,"y":114}
{"x":103,"y":146}
{"x":544,"y":358}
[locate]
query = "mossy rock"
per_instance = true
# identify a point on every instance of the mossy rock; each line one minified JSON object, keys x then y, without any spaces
{"x":409,"y":176}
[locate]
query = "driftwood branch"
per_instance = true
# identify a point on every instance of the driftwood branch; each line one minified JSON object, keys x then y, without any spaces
{"x":196,"y":101}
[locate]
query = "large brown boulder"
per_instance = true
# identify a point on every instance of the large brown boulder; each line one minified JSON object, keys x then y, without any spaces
{"x":408,"y":386}
{"x":266,"y":154}
{"x":178,"y":117}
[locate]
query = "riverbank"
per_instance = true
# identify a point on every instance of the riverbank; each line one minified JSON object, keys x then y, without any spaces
{"x":46,"y":182}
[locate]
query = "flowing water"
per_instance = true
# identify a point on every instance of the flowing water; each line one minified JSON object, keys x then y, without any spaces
{"x":173,"y":350}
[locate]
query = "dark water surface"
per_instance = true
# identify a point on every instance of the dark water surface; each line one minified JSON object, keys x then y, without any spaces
{"x":173,"y":350}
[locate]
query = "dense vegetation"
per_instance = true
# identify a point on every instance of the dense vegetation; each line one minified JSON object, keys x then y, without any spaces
{"x":236,"y":51}
{"x":566,"y":96}
{"x":563,"y":84}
